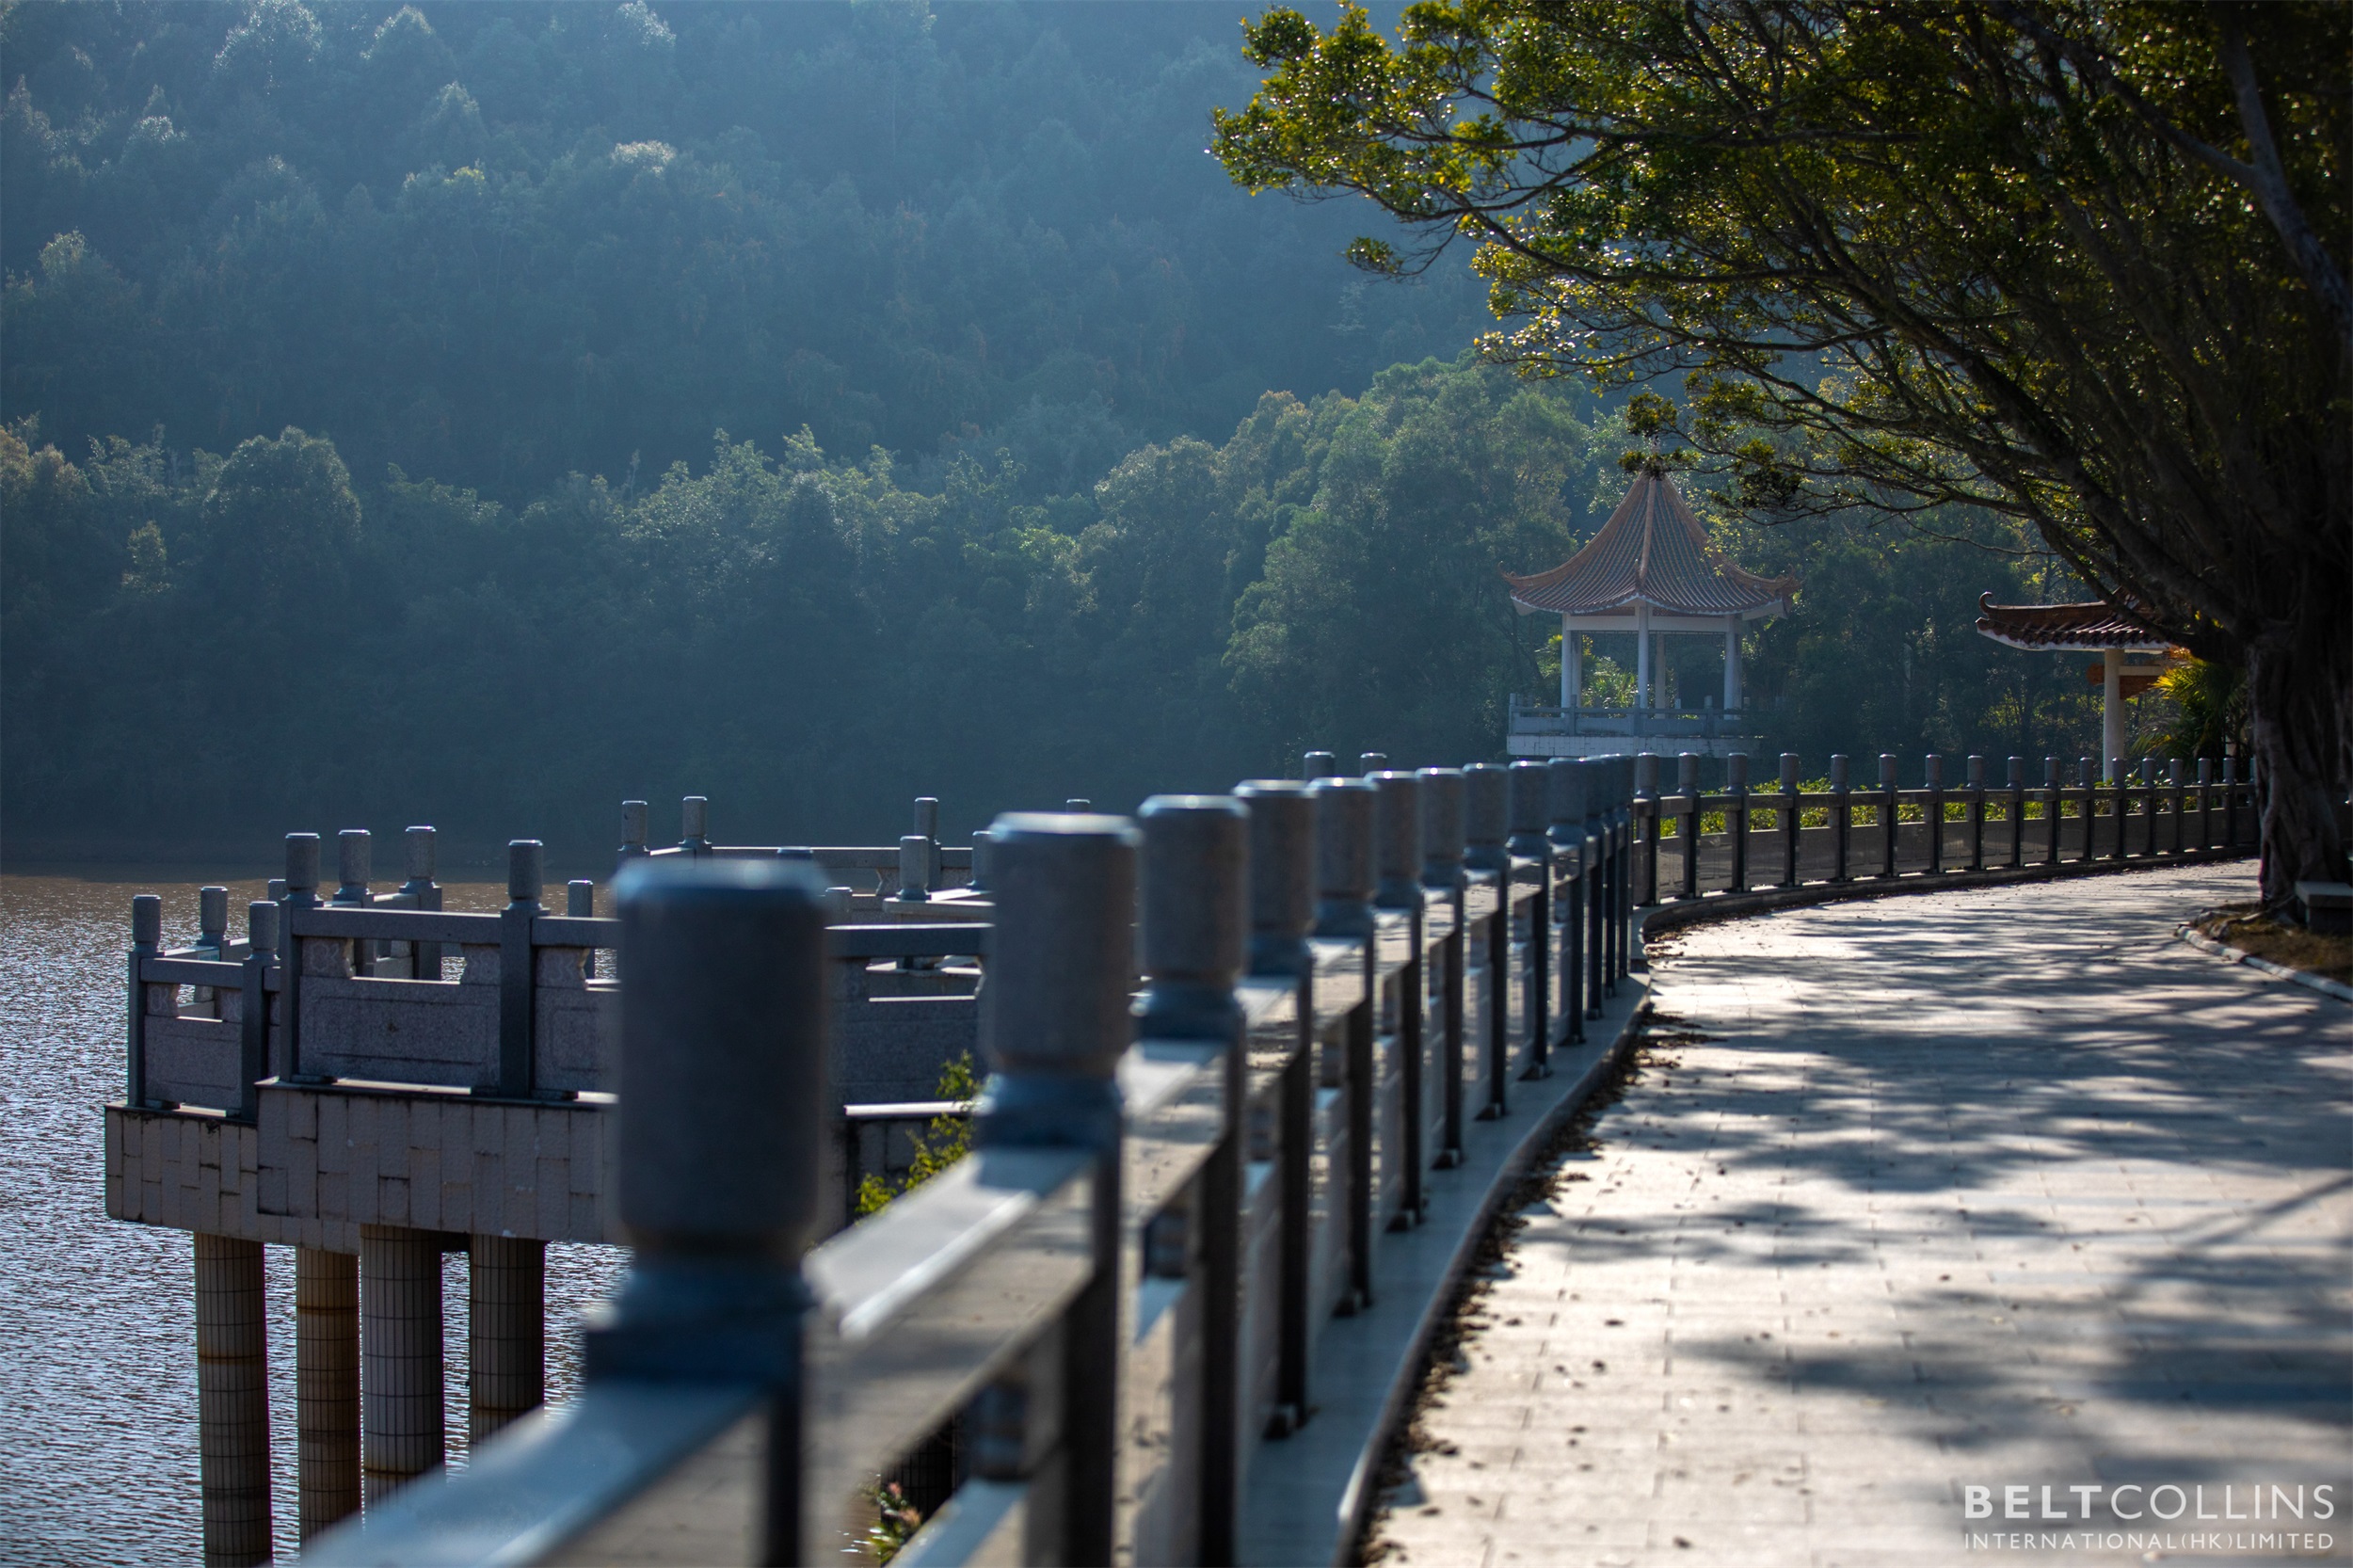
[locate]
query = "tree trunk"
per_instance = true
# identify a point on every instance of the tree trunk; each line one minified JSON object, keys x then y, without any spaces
{"x":2299,"y":688}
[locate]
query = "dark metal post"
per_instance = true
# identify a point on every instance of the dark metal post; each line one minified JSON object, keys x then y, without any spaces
{"x":1687,"y":786}
{"x":1282,"y":911}
{"x":1736,"y":820}
{"x":1442,"y":821}
{"x":1195,"y":922}
{"x":719,"y":1147}
{"x":1889,"y":811}
{"x":2148,"y":806}
{"x":1841,"y":815}
{"x":2205,"y":803}
{"x":1792,"y":819}
{"x":1370,"y":762}
{"x":525,"y":875}
{"x":2121,"y":807}
{"x":1320,"y":764}
{"x":2173,"y":789}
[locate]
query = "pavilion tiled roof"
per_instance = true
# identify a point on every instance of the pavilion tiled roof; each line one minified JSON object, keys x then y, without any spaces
{"x":1652,"y":551}
{"x":2041,"y":628}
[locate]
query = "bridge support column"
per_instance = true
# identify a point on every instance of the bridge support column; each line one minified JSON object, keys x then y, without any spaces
{"x":327,"y":1387}
{"x":400,"y":1349}
{"x":505,"y":1330}
{"x":232,"y":1400}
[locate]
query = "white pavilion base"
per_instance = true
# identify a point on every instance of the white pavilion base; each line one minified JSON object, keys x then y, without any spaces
{"x":1525,"y":745}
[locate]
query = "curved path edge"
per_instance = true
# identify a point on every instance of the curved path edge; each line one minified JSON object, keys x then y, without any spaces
{"x":2305,"y":978}
{"x":1309,"y":1497}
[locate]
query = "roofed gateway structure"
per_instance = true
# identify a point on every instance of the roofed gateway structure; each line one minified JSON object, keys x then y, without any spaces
{"x":1652,"y":573}
{"x":2093,"y":627}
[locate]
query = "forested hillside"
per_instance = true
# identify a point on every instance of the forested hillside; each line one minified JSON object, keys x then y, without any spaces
{"x":498,"y":243}
{"x":478,"y":414}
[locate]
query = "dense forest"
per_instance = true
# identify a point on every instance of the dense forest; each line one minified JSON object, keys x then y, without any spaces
{"x":476,"y":415}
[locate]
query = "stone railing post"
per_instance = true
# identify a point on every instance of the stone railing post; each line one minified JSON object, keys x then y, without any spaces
{"x":2148,"y":806}
{"x":1578,"y":895}
{"x":1933,"y":812}
{"x":2015,"y":780}
{"x":633,"y":831}
{"x":915,"y":860}
{"x":1687,"y":786}
{"x":302,"y":893}
{"x":526,"y":873}
{"x":1194,"y":939}
{"x":1601,"y":775}
{"x":1370,"y":762}
{"x":1646,"y":788}
{"x":927,"y":829}
{"x":2173,"y":790}
{"x":2055,"y":810}
{"x":693,"y":819}
{"x":1531,"y":808}
{"x":261,"y":930}
{"x":1791,"y":819}
{"x":354,"y":862}
{"x":1054,"y":1023}
{"x":1889,"y":811}
{"x":1344,"y":887}
{"x":1397,"y":868}
{"x":1442,"y":821}
{"x":2088,"y":785}
{"x":147,"y":941}
{"x":211,"y":922}
{"x":1320,"y":764}
{"x":1975,"y":785}
{"x":1736,"y":819}
{"x":1282,"y":861}
{"x":718,"y":1148}
{"x":1841,"y":814}
{"x":419,"y":846}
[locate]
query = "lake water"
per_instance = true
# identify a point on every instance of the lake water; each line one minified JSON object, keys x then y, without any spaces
{"x":98,"y":1456}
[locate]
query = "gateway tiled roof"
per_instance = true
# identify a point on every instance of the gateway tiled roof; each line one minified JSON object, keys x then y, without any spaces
{"x":1652,"y":551}
{"x":2040,"y":628}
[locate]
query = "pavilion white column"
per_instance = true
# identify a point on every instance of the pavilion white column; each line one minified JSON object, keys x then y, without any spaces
{"x":1572,"y":668}
{"x":1732,"y":664}
{"x":2111,"y":712}
{"x":1641,"y":654}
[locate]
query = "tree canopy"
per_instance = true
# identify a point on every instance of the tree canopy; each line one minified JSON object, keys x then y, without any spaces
{"x":2077,"y":262}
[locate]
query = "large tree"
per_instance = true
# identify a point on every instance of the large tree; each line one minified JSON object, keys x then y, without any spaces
{"x":2082,"y":263}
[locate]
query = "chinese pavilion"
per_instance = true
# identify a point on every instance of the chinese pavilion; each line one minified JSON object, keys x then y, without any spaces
{"x":2094,"y":628}
{"x":1651,"y":572}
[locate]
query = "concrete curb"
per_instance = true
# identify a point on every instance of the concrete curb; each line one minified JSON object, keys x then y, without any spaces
{"x":1309,"y":1497}
{"x":2305,"y":978}
{"x":1662,"y":918}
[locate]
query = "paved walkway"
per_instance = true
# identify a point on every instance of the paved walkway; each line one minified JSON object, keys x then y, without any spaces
{"x":1993,"y":1189}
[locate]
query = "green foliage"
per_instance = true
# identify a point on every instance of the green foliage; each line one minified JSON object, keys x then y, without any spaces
{"x":940,"y":1145}
{"x":896,"y":1520}
{"x":2079,"y":263}
{"x":498,"y":242}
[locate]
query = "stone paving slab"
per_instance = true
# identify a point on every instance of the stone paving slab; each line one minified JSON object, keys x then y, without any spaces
{"x":2004,"y":1188}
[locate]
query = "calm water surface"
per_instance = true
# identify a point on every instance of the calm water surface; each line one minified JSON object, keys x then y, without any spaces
{"x":97,"y":1319}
